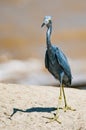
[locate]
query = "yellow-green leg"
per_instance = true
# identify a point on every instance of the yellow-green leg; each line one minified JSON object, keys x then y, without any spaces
{"x":56,"y":115}
{"x":60,"y":96}
{"x":66,"y":107}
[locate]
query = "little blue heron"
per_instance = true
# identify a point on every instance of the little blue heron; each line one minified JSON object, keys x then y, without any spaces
{"x":57,"y":64}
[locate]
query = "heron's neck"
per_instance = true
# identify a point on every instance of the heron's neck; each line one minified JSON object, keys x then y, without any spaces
{"x":48,"y":36}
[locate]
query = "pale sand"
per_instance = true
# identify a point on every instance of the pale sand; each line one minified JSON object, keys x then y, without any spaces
{"x":33,"y":102}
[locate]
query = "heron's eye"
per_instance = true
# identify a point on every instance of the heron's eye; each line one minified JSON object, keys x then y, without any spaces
{"x":49,"y":21}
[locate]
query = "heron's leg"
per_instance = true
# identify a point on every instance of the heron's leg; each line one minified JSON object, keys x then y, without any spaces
{"x":66,"y":107}
{"x":60,"y":96}
{"x":64,"y":96}
{"x":56,"y":115}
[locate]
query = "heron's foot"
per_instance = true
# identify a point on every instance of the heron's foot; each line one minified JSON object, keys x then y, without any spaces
{"x":68,"y":108}
{"x":52,"y":119}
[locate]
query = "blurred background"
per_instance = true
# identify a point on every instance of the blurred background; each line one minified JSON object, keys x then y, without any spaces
{"x":23,"y":41}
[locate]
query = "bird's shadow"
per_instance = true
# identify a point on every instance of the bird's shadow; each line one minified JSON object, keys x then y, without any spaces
{"x":33,"y":109}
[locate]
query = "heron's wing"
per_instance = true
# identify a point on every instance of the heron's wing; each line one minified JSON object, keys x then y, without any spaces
{"x":63,"y":62}
{"x":46,"y":60}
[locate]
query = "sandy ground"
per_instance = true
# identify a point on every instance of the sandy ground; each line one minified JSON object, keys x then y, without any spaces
{"x":31,"y":103}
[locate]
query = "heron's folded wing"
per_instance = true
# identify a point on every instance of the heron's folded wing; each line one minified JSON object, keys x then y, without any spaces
{"x":63,"y":62}
{"x":46,"y":60}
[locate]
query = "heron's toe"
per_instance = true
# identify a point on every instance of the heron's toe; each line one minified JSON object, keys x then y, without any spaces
{"x":68,"y":108}
{"x":52,"y":119}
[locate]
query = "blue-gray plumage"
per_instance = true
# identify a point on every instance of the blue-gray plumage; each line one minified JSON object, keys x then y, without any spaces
{"x":56,"y":61}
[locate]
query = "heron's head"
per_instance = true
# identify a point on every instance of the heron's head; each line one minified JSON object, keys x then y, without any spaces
{"x":47,"y":21}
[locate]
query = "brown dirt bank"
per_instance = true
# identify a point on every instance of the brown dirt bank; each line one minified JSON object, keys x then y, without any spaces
{"x":21,"y":35}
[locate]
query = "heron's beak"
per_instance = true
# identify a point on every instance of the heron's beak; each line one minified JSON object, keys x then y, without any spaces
{"x":42,"y":24}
